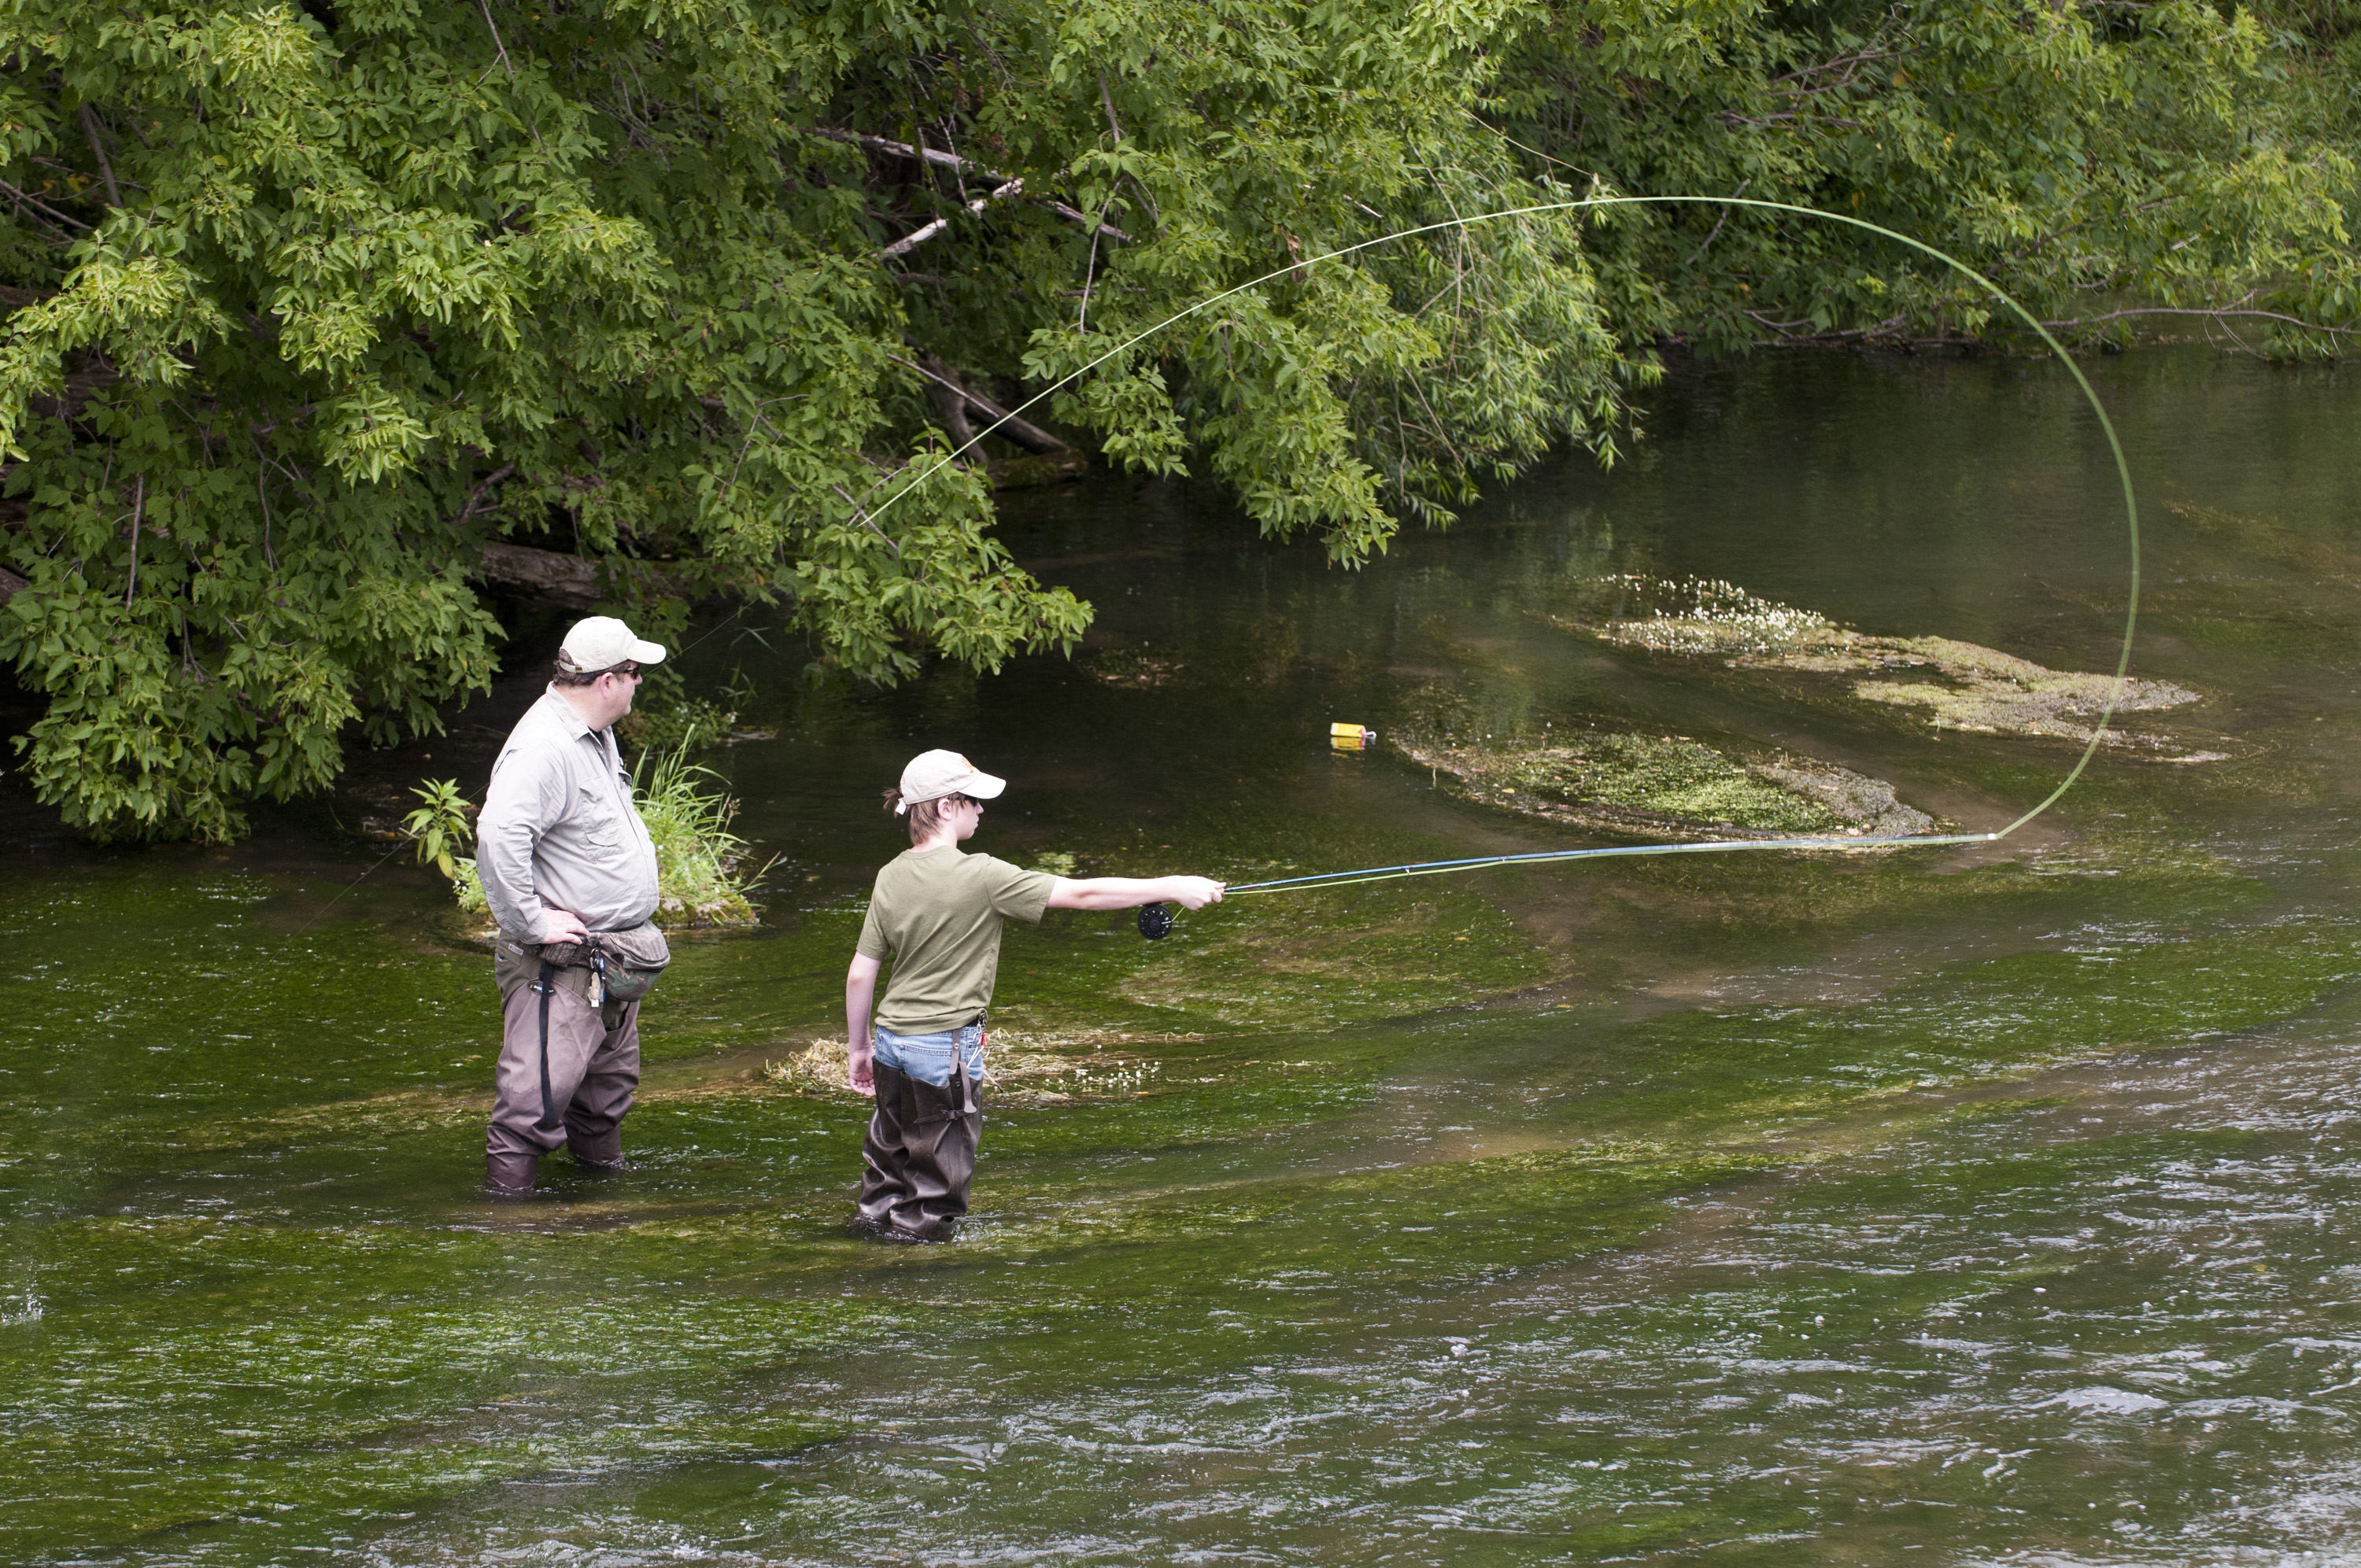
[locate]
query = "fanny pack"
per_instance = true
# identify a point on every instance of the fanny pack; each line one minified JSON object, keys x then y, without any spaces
{"x":623,"y":965}
{"x":617,"y":967}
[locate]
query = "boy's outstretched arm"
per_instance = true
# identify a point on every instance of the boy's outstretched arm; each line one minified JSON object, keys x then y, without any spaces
{"x":1130,"y":893}
{"x":860,"y":992}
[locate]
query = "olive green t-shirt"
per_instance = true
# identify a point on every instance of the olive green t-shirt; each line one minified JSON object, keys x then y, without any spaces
{"x":937,"y":915}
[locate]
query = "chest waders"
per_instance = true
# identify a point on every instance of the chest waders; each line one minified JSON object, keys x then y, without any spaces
{"x":544,"y":985}
{"x":919,"y":1155}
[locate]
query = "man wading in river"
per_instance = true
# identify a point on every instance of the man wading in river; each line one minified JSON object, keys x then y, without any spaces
{"x":570,"y":872}
{"x":937,"y":913}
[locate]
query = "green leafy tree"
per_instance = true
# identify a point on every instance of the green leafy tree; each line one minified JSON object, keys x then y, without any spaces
{"x":311,"y":305}
{"x":2114,"y":164}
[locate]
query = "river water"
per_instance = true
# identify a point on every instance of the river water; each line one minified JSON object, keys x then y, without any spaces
{"x":1965,"y":1206}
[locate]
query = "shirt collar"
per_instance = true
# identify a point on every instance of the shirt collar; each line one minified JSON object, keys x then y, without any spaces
{"x":573,"y":723}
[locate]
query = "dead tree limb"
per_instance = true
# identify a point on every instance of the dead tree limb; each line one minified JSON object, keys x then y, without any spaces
{"x":561,"y":579}
{"x":1024,"y":432}
{"x":950,"y":407}
{"x":918,"y":237}
{"x":98,"y":151}
{"x":951,"y":160}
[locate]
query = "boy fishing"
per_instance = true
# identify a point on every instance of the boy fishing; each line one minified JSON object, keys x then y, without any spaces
{"x":937,"y":913}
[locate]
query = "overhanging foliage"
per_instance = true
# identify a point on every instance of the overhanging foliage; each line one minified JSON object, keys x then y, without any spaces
{"x":310,"y":305}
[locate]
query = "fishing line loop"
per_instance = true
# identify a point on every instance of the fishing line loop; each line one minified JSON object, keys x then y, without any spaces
{"x":2098,"y":410}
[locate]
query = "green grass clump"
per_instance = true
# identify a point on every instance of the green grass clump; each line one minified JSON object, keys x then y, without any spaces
{"x":700,"y":865}
{"x":701,"y":874}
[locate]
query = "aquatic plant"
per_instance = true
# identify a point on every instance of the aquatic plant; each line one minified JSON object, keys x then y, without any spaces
{"x":1021,"y":1067}
{"x":440,"y":824}
{"x":1981,"y":689}
{"x":1136,"y":669}
{"x":700,"y":864}
{"x":1671,"y":785}
{"x":1974,"y":687}
{"x":701,"y":874}
{"x":1699,"y":615}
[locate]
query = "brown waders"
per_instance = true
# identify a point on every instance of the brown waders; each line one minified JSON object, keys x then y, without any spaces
{"x":919,"y":1156}
{"x":566,"y":1074}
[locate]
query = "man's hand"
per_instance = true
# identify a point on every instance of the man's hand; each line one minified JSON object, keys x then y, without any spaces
{"x":564,"y":926}
{"x":864,"y":1070}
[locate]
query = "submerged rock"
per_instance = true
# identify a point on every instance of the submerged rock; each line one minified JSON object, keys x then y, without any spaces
{"x":1668,"y":786}
{"x":1977,"y":689}
{"x":1962,"y":685}
{"x":1136,"y":669}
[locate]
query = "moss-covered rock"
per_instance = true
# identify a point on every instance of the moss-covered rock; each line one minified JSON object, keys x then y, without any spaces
{"x":1668,"y":786}
{"x":1962,"y":685}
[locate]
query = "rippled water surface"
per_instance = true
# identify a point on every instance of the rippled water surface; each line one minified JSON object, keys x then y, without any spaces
{"x":1963,"y":1206}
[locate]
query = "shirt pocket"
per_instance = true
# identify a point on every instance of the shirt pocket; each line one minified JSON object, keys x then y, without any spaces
{"x":602,"y":825}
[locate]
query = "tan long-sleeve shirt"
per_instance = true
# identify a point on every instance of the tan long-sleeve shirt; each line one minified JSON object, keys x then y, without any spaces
{"x":558,"y":828}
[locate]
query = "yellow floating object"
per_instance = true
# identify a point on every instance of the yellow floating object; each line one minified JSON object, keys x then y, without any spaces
{"x":1351,"y":737}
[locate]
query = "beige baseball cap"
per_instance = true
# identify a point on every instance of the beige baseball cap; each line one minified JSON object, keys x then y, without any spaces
{"x":934,"y":775}
{"x":602,"y":643}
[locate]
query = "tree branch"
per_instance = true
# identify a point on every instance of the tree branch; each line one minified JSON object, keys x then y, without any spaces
{"x":98,"y":150}
{"x":919,"y":237}
{"x":953,"y":162}
{"x":1716,"y":235}
{"x":472,"y":500}
{"x":500,"y":48}
{"x":22,"y":199}
{"x":541,"y":574}
{"x":138,"y":507}
{"x":1025,"y":433}
{"x":1107,"y":99}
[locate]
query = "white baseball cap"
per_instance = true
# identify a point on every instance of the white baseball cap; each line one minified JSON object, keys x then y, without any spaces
{"x":934,"y":775}
{"x":602,"y":643}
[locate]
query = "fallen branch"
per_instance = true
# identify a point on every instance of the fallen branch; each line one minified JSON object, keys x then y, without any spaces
{"x":2210,"y":314}
{"x":904,"y":246}
{"x":541,"y":574}
{"x":954,"y":162}
{"x":1030,"y":472}
{"x":1025,"y":433}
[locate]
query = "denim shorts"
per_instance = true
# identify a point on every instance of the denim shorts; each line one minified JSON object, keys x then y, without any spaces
{"x":929,"y":1057}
